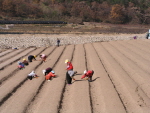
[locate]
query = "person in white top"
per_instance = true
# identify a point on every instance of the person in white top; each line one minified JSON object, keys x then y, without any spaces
{"x":32,"y":75}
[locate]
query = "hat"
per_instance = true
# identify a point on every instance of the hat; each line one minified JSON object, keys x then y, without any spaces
{"x":34,"y":55}
{"x":66,"y":60}
{"x":19,"y":62}
{"x":84,"y":71}
{"x":53,"y":71}
{"x":43,"y":71}
{"x":24,"y":59}
{"x":33,"y":71}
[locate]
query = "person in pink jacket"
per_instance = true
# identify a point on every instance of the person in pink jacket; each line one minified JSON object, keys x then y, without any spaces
{"x":50,"y":75}
{"x":88,"y":75}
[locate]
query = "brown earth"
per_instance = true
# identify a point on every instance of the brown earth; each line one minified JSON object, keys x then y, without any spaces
{"x":70,"y":28}
{"x":121,"y":81}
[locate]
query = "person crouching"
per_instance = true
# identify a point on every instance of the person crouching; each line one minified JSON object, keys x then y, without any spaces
{"x":31,"y":58}
{"x":32,"y":75}
{"x":43,"y":57}
{"x":25,"y":62}
{"x":20,"y":65}
{"x":50,"y":75}
{"x":47,"y":71}
{"x":88,"y":75}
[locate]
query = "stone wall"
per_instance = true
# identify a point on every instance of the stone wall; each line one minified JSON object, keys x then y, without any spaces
{"x":43,"y":40}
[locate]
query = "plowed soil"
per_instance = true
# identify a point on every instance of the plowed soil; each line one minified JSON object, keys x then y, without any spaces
{"x":121,"y":80}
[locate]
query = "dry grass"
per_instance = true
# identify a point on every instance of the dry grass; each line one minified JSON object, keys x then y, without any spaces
{"x":99,"y":28}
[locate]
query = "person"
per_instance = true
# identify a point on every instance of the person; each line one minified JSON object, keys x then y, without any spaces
{"x":43,"y":57}
{"x":32,"y":75}
{"x":58,"y":41}
{"x":25,"y":62}
{"x":135,"y":37}
{"x":47,"y":71}
{"x":69,"y":65}
{"x":50,"y":75}
{"x":88,"y":75}
{"x":148,"y":35}
{"x":31,"y":57}
{"x":20,"y":65}
{"x":70,"y":76}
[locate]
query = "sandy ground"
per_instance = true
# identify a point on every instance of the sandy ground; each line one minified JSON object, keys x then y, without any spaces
{"x":121,"y":80}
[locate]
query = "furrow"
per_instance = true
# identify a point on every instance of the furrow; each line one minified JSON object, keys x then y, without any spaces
{"x":55,"y":87}
{"x":136,"y":73}
{"x":102,"y":87}
{"x":77,"y":94}
{"x":90,"y":91}
{"x":142,"y":63}
{"x":12,"y":69}
{"x":11,"y":55}
{"x":6,"y":52}
{"x":125,"y":86}
{"x":18,"y":77}
{"x":14,"y":59}
{"x":136,"y":50}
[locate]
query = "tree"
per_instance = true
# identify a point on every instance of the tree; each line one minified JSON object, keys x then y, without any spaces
{"x":117,"y":14}
{"x":7,"y":6}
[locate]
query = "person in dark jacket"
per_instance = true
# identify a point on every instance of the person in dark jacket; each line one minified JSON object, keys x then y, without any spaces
{"x":47,"y":71}
{"x":58,"y":41}
{"x":31,"y":57}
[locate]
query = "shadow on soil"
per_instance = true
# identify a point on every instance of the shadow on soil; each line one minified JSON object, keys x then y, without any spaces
{"x":85,"y":80}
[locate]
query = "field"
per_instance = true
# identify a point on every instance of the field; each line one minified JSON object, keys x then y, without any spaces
{"x":121,"y":80}
{"x":70,"y":28}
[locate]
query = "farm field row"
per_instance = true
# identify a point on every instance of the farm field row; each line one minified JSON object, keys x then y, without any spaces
{"x":121,"y":80}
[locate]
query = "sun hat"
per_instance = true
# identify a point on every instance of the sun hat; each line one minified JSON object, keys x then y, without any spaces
{"x":53,"y":71}
{"x":19,"y":62}
{"x":84,"y":71}
{"x":66,"y":60}
{"x":43,"y":71}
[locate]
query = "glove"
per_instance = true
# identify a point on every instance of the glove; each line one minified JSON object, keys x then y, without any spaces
{"x":74,"y":79}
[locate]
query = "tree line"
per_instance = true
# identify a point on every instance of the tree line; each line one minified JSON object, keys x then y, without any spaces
{"x":77,"y":11}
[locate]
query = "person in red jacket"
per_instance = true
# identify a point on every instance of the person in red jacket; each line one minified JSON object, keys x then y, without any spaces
{"x":69,"y":65}
{"x":88,"y":75}
{"x":50,"y":75}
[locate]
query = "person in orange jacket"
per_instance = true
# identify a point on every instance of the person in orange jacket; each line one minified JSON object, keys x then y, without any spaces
{"x":50,"y":75}
{"x":69,"y":65}
{"x":88,"y":75}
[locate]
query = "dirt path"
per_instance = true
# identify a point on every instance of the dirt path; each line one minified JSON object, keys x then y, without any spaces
{"x":121,"y":81}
